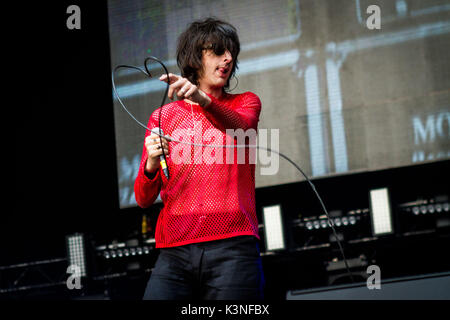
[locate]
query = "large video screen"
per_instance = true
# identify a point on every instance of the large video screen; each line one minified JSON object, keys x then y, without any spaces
{"x":345,"y":86}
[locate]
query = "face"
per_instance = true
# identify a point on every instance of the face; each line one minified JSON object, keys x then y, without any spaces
{"x":216,"y":69}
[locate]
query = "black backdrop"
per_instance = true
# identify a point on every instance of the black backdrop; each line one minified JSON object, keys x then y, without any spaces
{"x":64,"y":137}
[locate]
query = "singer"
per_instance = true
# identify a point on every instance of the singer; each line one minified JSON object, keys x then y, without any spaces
{"x":207,"y":231}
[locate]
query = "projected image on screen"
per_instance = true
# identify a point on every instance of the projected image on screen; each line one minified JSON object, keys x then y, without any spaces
{"x":344,"y":97}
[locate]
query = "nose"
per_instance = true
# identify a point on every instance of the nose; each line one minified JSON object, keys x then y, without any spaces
{"x":227,"y":57}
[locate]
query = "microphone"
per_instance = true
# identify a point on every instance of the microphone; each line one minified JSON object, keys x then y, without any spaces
{"x":162,"y":160}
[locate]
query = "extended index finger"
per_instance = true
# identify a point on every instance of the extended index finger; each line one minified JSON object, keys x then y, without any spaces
{"x":172,"y":78}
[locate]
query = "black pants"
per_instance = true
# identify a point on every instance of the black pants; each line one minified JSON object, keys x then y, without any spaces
{"x":228,"y":269}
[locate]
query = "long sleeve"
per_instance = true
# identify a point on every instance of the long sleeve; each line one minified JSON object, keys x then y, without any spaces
{"x":244,"y":114}
{"x":146,"y":190}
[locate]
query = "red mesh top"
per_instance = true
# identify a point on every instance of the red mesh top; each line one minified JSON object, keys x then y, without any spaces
{"x":208,"y":197}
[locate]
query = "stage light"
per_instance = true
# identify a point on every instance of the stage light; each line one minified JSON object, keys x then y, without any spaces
{"x":416,"y":210}
{"x":345,"y":221}
{"x":337,"y":222}
{"x":316,"y":224}
{"x":273,"y":228}
{"x":423,"y":209}
{"x":309,"y":225}
{"x":76,"y":252}
{"x":380,"y":212}
{"x":352,"y":220}
{"x":323,"y":224}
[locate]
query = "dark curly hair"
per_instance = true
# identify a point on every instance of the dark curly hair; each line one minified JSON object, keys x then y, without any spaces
{"x":210,"y":33}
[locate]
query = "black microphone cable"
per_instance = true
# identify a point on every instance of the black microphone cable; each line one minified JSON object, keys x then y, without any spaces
{"x":147,"y":73}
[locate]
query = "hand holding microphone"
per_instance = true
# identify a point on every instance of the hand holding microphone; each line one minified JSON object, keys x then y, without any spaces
{"x":155,"y":152}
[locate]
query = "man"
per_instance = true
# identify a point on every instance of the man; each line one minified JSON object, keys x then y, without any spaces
{"x":207,"y":231}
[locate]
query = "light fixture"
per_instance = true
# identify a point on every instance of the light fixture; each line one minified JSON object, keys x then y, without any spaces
{"x":337,"y":222}
{"x":380,"y":212}
{"x":273,"y":228}
{"x":345,"y":221}
{"x":316,"y":224}
{"x":76,"y":252}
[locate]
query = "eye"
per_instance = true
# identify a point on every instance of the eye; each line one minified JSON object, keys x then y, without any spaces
{"x":218,"y":49}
